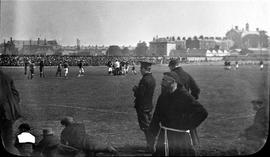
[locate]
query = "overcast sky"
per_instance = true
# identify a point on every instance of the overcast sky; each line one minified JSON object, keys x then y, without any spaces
{"x":127,"y":22}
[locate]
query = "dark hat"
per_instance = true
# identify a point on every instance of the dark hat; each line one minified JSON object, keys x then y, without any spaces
{"x":47,"y":131}
{"x":174,"y":76}
{"x":24,"y":127}
{"x":145,"y":64}
{"x":67,"y":120}
{"x":174,"y":62}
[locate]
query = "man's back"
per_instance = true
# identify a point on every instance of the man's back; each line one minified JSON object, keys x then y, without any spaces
{"x":73,"y":135}
{"x":188,"y":82}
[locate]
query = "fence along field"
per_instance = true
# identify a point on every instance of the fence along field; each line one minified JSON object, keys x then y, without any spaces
{"x":105,"y":103}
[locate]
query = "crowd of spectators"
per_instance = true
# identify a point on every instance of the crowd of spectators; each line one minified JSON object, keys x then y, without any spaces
{"x":53,"y":60}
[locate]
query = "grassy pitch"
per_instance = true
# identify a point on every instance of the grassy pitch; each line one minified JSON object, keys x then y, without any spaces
{"x":105,"y":103}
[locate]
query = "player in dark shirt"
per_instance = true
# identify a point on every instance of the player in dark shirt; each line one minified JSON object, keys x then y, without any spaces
{"x":59,"y":69}
{"x":41,"y":69}
{"x":31,"y":69}
{"x":81,"y":69}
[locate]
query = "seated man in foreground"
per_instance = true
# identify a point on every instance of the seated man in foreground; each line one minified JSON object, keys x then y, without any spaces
{"x":50,"y":146}
{"x":74,"y":135}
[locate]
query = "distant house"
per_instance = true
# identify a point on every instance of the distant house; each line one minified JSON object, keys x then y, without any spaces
{"x":161,"y":47}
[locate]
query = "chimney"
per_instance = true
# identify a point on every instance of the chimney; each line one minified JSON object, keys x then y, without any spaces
{"x":45,"y":43}
{"x":38,"y":41}
{"x":257,"y":29}
{"x":236,"y":27}
{"x":10,"y":39}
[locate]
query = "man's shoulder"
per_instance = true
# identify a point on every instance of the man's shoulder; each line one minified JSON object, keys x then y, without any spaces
{"x":148,"y":78}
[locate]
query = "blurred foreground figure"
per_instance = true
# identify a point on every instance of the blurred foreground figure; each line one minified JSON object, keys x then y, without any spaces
{"x":25,"y":141}
{"x":50,"y":146}
{"x":176,"y":113}
{"x":10,"y":111}
{"x":255,"y":136}
{"x":190,"y":85}
{"x":74,"y":135}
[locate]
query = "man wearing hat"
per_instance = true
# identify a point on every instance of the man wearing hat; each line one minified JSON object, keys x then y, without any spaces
{"x":50,"y":146}
{"x":189,"y":83}
{"x":74,"y":135}
{"x":48,"y":141}
{"x":144,"y":98}
{"x":176,"y":113}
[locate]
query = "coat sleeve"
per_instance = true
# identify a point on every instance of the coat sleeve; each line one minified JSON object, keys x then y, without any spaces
{"x":154,"y":125}
{"x":197,"y":113}
{"x":195,"y":90}
{"x":63,"y":139}
{"x":14,"y":91}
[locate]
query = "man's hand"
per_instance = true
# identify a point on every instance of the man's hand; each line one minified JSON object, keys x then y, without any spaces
{"x":134,"y":89}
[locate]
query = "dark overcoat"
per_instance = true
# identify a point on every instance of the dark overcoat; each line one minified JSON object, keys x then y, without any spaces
{"x":181,"y":111}
{"x":144,"y":93}
{"x":188,"y":82}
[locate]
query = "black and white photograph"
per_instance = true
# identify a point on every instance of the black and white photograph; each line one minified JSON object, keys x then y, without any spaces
{"x":88,"y":78}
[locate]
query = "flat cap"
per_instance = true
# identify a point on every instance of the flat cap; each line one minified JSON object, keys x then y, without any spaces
{"x":67,"y":120}
{"x":145,"y":64}
{"x":173,"y":75}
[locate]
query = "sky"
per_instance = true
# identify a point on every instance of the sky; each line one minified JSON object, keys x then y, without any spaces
{"x":126,"y":22}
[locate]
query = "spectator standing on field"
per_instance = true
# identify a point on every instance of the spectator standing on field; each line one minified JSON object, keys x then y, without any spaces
{"x":176,"y":113}
{"x":144,"y":99}
{"x":190,"y":85}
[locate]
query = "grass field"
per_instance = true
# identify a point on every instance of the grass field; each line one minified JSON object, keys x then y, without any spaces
{"x":105,"y":103}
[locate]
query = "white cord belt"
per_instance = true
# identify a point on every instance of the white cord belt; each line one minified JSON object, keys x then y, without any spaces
{"x":166,"y":137}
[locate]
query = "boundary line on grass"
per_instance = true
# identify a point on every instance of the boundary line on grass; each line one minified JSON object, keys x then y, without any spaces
{"x":91,"y":109}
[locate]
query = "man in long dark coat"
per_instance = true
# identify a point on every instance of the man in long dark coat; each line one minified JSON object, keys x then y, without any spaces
{"x":176,"y":113}
{"x":144,"y":98}
{"x":191,"y":86}
{"x":10,"y":110}
{"x":74,"y":135}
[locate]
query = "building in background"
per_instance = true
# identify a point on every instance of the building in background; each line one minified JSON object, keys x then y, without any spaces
{"x":161,"y":46}
{"x":245,"y":38}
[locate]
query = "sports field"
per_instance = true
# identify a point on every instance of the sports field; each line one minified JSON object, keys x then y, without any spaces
{"x":105,"y":103}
